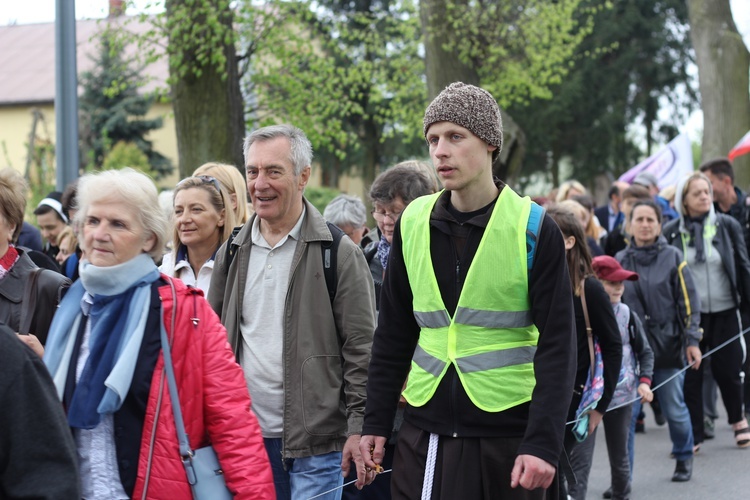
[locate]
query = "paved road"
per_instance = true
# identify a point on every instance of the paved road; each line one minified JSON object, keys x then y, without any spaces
{"x":721,"y":470}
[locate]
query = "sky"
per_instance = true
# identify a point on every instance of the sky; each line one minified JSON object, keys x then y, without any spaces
{"x":43,"y":11}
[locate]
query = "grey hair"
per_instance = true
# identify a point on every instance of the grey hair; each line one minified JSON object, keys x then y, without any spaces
{"x":401,"y":181}
{"x":346,"y":210}
{"x":300,"y":149}
{"x":136,"y":190}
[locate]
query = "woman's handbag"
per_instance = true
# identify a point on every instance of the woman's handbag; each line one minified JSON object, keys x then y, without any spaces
{"x":202,"y":467}
{"x":594,"y":388}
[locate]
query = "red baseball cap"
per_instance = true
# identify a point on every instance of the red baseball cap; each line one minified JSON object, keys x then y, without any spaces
{"x":607,"y":268}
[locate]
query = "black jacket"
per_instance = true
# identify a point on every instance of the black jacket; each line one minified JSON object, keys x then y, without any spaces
{"x":664,"y":298}
{"x":37,"y":451}
{"x":50,"y":287}
{"x":730,"y":243}
{"x":741,"y":213}
{"x":450,"y":412}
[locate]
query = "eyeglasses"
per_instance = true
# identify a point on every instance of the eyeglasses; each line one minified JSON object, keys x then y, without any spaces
{"x":205,"y":179}
{"x":381,"y":216}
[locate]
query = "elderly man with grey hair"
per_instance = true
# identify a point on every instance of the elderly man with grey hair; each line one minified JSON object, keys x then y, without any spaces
{"x":348,"y":213}
{"x":304,"y":347}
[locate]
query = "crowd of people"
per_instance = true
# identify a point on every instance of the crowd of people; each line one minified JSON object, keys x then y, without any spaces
{"x":455,"y":345}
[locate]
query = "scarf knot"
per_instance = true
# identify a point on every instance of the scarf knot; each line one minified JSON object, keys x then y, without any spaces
{"x":121,"y":297}
{"x":695,"y":226}
{"x":384,"y":249}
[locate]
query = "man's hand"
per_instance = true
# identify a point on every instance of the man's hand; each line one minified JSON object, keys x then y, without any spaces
{"x":595,"y":418}
{"x":693,"y":353}
{"x":531,"y":473}
{"x":351,"y":454}
{"x":372,"y":449}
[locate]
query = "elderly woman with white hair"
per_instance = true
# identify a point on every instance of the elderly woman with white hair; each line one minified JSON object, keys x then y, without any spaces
{"x":349,"y":214}
{"x":105,"y":355}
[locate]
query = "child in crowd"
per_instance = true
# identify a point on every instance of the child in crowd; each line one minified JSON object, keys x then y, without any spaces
{"x":634,"y":381}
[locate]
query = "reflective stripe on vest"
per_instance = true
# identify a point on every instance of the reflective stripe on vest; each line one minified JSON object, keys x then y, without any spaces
{"x":491,"y":339}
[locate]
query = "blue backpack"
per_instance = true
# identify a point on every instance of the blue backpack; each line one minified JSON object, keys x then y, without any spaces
{"x":536,"y":216}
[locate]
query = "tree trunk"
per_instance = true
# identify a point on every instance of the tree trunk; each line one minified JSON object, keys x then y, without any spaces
{"x":443,"y":67}
{"x":208,"y":109}
{"x":723,"y":65}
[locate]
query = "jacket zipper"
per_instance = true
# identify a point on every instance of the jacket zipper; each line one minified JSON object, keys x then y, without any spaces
{"x":283,"y":359}
{"x":454,"y":422}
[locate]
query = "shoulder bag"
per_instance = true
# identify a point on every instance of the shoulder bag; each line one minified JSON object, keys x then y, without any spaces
{"x":594,"y":388}
{"x":202,"y":467}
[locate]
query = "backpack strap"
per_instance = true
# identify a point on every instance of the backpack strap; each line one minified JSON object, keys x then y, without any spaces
{"x":231,"y":249}
{"x":536,"y":216}
{"x":329,"y":253}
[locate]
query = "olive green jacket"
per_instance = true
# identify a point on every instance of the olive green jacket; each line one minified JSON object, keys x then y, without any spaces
{"x":326,"y":344}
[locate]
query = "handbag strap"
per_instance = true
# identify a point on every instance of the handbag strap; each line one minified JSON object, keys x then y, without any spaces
{"x":589,"y":331}
{"x":185,"y":452}
{"x":28,"y":306}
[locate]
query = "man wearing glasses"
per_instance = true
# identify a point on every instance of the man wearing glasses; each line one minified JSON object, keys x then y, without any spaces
{"x":486,"y":339}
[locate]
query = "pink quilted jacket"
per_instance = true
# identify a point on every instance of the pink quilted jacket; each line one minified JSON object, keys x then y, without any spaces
{"x":215,"y":407}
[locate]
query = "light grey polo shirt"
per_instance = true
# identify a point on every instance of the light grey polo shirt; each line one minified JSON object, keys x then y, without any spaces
{"x":262,"y":326}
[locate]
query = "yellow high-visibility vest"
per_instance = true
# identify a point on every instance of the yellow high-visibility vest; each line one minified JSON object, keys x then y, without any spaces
{"x":490,"y":339}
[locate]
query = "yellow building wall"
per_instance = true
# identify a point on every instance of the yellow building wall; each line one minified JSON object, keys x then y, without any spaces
{"x":15,"y":131}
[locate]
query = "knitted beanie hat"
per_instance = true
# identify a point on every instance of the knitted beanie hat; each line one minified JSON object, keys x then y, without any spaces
{"x":470,"y":107}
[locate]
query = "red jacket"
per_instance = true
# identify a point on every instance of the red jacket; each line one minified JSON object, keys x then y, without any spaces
{"x":215,"y":407}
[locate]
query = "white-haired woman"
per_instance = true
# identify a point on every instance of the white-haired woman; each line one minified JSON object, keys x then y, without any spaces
{"x":349,"y":214}
{"x":203,"y":220}
{"x":104,"y":352}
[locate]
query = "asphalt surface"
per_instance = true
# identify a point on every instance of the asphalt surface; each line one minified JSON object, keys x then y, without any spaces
{"x":721,"y":470}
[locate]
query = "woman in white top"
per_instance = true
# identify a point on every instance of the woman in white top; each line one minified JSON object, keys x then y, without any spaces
{"x":201,"y":225}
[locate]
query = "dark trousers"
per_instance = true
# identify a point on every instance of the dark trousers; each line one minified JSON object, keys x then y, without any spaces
{"x":726,"y":364}
{"x":476,"y":468}
{"x":616,"y":430}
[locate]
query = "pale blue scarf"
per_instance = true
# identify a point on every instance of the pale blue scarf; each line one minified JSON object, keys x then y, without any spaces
{"x":112,"y":288}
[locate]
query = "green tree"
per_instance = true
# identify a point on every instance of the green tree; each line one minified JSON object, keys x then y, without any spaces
{"x":635,"y":58}
{"x":126,"y":154}
{"x":204,"y":81}
{"x":348,"y":73}
{"x":516,"y":49}
{"x":113,"y":110}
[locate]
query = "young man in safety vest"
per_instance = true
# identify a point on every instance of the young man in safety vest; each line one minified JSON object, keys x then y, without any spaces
{"x":485,"y":335}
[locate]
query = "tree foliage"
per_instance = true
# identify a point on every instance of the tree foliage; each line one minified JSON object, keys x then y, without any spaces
{"x":519,"y":48}
{"x":516,"y":49}
{"x":633,"y":62}
{"x":348,"y":73}
{"x":113,"y":110}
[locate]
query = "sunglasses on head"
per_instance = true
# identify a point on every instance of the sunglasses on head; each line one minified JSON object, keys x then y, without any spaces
{"x":205,"y":179}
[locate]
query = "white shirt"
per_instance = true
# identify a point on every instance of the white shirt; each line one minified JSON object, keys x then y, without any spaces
{"x":183,"y":271}
{"x":262,"y":325}
{"x":97,"y":454}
